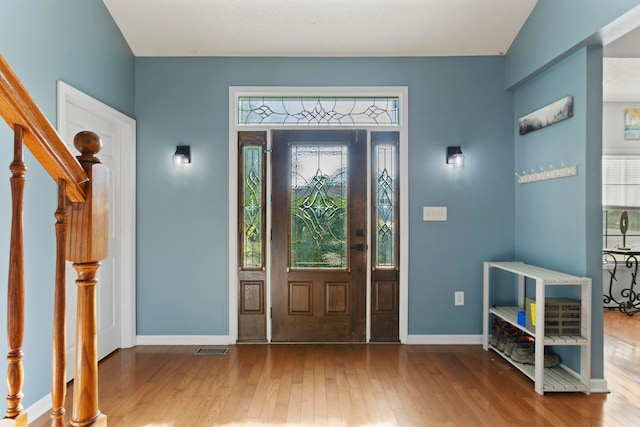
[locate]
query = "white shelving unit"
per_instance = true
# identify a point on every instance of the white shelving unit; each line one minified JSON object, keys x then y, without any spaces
{"x":560,"y":378}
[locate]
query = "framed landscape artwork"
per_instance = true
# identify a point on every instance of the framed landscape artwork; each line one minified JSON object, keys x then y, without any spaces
{"x":555,"y":112}
{"x":632,"y":123}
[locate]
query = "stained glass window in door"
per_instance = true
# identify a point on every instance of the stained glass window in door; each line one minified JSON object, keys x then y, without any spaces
{"x":252,"y":212}
{"x":318,"y":207}
{"x":385,"y":205}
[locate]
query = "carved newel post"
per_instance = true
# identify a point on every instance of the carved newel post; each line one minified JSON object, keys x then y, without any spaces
{"x":87,"y":245}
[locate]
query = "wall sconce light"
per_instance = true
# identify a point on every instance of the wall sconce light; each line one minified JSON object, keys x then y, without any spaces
{"x":182,"y":155}
{"x":455,"y":157}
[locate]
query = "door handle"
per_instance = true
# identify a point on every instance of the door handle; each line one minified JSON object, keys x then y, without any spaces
{"x":359,"y":247}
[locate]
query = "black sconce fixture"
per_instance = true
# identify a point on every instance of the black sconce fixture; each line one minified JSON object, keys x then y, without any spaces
{"x":455,"y":157}
{"x":182,"y":155}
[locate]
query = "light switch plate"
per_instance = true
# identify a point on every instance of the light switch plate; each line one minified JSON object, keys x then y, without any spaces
{"x":434,"y":213}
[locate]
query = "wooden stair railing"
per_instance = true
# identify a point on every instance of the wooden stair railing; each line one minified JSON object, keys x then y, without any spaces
{"x":81,"y":237}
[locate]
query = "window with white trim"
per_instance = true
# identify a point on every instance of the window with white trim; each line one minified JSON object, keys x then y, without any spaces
{"x":620,"y":192}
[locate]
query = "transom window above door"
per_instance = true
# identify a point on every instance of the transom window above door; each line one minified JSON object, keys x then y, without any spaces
{"x":310,"y":110}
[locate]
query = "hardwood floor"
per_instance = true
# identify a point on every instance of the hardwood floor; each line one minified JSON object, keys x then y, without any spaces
{"x":357,"y":385}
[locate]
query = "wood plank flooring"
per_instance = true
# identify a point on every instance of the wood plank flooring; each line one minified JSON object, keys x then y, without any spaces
{"x":356,"y":385}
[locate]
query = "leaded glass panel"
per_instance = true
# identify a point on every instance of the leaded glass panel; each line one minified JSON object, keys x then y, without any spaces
{"x":318,"y":207}
{"x":334,"y":111}
{"x":385,"y":206}
{"x":252,"y":227}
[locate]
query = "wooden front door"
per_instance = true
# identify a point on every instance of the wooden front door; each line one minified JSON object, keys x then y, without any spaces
{"x":319,"y":211}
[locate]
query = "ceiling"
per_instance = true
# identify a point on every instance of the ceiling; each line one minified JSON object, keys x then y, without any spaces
{"x":319,"y":28}
{"x":340,"y":28}
{"x":621,"y":69}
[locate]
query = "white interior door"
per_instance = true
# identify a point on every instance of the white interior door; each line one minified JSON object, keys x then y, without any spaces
{"x":115,"y":283}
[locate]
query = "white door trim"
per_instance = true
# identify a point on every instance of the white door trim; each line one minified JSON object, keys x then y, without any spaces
{"x":234,"y":92}
{"x":127,"y":219}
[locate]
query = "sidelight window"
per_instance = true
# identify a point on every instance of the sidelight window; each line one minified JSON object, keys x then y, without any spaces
{"x":252,"y":197}
{"x":385,"y":198}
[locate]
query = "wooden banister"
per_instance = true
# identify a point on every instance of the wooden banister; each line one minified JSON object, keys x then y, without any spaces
{"x":81,"y":237}
{"x":18,"y":108}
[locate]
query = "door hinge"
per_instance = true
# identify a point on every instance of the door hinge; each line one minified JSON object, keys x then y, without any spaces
{"x":271,"y":312}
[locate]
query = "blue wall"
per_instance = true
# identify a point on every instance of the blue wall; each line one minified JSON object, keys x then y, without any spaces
{"x":550,"y":215}
{"x":557,"y":28}
{"x":559,"y":222}
{"x":75,"y":41}
{"x":452,"y":101}
{"x":182,"y":271}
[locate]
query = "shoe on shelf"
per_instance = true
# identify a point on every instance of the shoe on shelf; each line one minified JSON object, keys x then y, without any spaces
{"x":524,"y":350}
{"x":512,"y":341}
{"x":526,"y":353}
{"x":495,"y":333}
{"x":551,"y":360}
{"x":508,"y":330}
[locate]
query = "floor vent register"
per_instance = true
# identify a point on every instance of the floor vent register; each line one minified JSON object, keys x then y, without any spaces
{"x":212,"y":351}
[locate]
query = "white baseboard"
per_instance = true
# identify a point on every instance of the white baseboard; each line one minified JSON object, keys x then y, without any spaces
{"x":598,"y":385}
{"x":444,"y":339}
{"x":39,"y":408}
{"x":183,"y":340}
{"x":226,"y":340}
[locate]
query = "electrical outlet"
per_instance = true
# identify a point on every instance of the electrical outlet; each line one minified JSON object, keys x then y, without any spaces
{"x":434,"y":213}
{"x":459,"y":298}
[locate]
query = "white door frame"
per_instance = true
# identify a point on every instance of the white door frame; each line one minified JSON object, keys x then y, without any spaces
{"x":402,"y":92}
{"x":127,"y":218}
